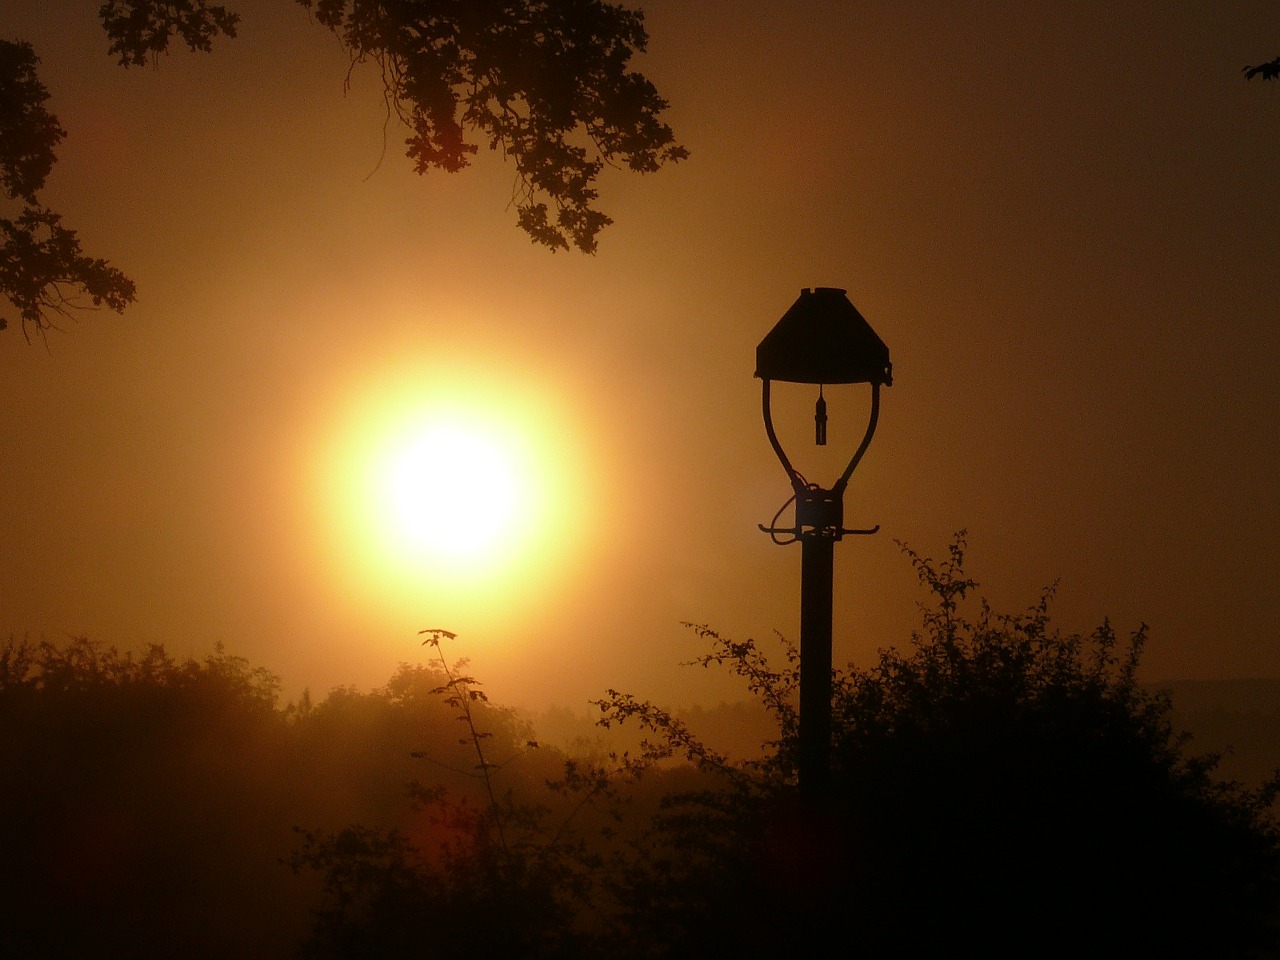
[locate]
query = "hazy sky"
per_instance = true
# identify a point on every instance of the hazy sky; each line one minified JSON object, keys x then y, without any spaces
{"x":1063,"y":219}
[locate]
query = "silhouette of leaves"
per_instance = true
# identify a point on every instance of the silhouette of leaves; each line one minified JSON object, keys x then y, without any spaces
{"x":140,"y":30}
{"x":546,"y":84}
{"x":42,"y":268}
{"x":1268,"y":71}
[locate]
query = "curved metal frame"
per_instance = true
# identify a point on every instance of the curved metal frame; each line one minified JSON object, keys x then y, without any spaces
{"x":805,"y":490}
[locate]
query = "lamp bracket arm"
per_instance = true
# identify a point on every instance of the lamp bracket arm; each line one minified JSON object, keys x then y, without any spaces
{"x":843,"y":482}
{"x":796,"y":480}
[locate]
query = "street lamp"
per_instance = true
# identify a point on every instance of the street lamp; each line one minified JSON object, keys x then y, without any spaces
{"x":821,"y":340}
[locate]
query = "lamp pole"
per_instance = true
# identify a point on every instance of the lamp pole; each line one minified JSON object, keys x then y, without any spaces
{"x":821,"y":340}
{"x":817,"y":571}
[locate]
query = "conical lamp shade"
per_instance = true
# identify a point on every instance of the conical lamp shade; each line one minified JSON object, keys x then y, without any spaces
{"x":823,"y":339}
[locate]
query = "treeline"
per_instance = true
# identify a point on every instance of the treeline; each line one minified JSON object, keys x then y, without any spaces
{"x":150,"y":806}
{"x":997,"y":787}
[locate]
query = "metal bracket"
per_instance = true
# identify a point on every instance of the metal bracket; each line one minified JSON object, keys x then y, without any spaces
{"x":835,"y":534}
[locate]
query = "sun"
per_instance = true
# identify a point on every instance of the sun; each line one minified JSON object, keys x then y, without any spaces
{"x":453,"y":490}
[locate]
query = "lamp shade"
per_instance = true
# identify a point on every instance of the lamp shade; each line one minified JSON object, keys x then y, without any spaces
{"x":823,"y":339}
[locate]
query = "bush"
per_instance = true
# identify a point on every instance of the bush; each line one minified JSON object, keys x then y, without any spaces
{"x":999,"y":788}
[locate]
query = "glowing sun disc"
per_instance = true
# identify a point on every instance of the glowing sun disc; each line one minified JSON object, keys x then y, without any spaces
{"x":452,"y":491}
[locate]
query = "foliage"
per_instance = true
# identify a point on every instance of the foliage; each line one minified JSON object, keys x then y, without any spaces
{"x":148,"y":793}
{"x":139,"y":794}
{"x":82,"y":666}
{"x":1029,"y":774}
{"x":43,"y":271}
{"x":1000,"y":786}
{"x":546,"y":82}
{"x":140,"y":30}
{"x":385,"y":900}
{"x":505,"y":877}
{"x":1268,"y":71}
{"x":29,"y":131}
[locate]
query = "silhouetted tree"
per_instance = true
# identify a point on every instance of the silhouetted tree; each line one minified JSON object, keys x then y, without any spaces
{"x":1044,"y":793}
{"x":547,"y":83}
{"x":141,"y":805}
{"x":999,"y":788}
{"x":42,"y":268}
{"x":149,"y":804}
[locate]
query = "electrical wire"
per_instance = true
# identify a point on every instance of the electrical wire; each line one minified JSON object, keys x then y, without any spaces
{"x":773,"y":524}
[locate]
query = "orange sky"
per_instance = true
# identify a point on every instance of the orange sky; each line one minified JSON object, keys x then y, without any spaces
{"x":1063,"y":222}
